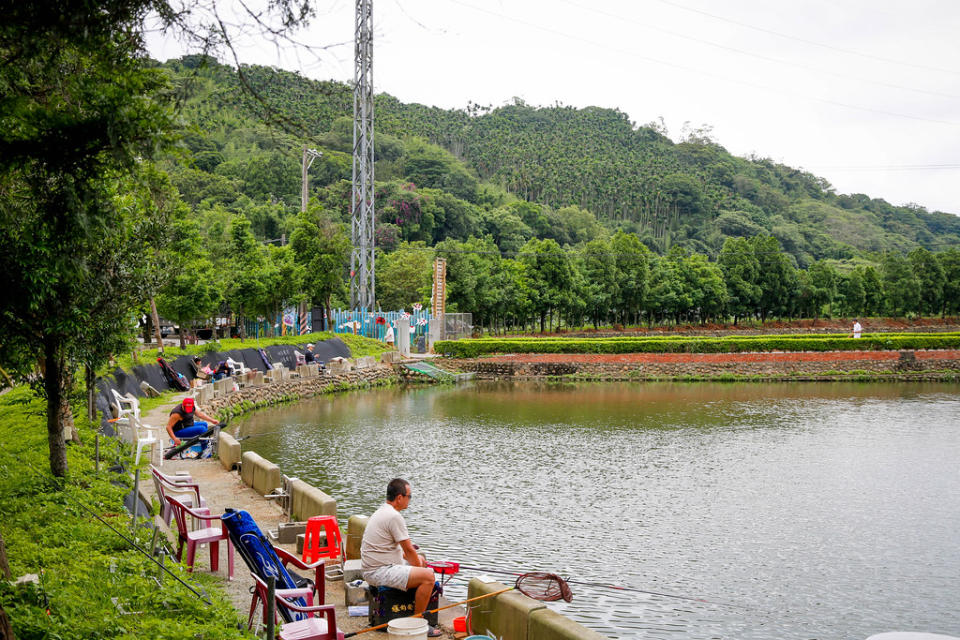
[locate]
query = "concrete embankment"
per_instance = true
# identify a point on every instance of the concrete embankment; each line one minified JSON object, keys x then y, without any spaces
{"x":796,"y":366}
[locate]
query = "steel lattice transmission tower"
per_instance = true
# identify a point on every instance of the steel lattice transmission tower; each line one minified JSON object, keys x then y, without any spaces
{"x":362,"y":279}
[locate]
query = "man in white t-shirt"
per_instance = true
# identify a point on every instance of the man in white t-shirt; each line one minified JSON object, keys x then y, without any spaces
{"x":388,"y":557}
{"x":857,"y":329}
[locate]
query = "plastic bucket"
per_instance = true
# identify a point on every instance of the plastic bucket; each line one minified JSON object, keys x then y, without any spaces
{"x":408,"y":629}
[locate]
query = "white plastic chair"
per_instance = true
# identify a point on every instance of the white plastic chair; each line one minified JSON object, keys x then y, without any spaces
{"x":237,"y":367}
{"x":146,"y":436}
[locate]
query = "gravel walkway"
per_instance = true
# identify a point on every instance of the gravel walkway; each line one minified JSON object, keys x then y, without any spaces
{"x":222,"y":489}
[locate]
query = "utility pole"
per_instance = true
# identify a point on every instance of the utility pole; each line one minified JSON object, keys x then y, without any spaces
{"x":309,"y":155}
{"x":362,"y":278}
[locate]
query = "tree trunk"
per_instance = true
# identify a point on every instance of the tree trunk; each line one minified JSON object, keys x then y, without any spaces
{"x":242,"y":326}
{"x":147,"y":325}
{"x":6,"y":629}
{"x":4,"y":565}
{"x":66,"y":411}
{"x":53,"y":385}
{"x":90,"y":383}
{"x":156,"y":324}
{"x":180,"y":332}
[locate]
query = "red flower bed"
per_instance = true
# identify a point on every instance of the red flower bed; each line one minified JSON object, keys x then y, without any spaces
{"x":692,"y":358}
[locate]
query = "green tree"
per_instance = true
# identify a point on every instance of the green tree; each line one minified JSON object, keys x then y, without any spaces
{"x":929,"y":273}
{"x":873,"y":299}
{"x":246,"y":288}
{"x":599,"y":268}
{"x":78,"y":116}
{"x":741,"y":273}
{"x":405,"y":276}
{"x":549,"y":275}
{"x":470,"y":270}
{"x":705,"y":282}
{"x":950,"y":263}
{"x":322,"y":247}
{"x":193,"y":291}
{"x":901,"y":288}
{"x":822,"y":287}
{"x":632,"y":261}
{"x":850,"y":293}
{"x":777,"y":278}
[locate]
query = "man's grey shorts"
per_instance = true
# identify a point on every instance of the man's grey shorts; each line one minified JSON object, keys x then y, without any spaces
{"x":392,"y":575}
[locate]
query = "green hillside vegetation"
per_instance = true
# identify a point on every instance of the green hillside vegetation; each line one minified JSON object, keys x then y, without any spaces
{"x":546,"y":215}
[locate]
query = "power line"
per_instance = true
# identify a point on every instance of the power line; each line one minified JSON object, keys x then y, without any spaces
{"x":810,"y":42}
{"x":761,"y":56}
{"x":793,"y":94}
{"x":889,"y":167}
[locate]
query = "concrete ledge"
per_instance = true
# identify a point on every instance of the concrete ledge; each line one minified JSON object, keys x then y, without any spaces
{"x":259,"y":473}
{"x":366,"y":362}
{"x":339,"y":366}
{"x":390,"y":357}
{"x":546,"y":624}
{"x":356,"y":525}
{"x":511,"y":614}
{"x":309,"y":501}
{"x":482,"y":611}
{"x":229,"y":451}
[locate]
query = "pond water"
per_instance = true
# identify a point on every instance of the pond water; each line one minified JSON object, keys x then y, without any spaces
{"x":827,"y":511}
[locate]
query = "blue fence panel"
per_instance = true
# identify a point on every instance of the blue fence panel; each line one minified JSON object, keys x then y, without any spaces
{"x":364,"y":323}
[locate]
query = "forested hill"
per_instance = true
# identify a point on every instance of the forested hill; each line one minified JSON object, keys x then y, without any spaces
{"x":574,"y":165}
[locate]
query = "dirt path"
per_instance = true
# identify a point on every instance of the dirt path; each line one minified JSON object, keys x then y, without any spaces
{"x":222,"y":489}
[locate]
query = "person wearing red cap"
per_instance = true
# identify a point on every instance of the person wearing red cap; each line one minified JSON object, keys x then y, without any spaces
{"x":181,"y":423}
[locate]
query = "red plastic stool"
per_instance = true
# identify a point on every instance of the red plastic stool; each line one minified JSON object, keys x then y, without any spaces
{"x":312,"y":551}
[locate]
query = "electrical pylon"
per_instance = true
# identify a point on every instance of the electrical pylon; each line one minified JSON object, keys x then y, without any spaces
{"x":362,"y":275}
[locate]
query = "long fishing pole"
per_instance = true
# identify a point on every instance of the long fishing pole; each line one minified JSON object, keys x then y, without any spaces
{"x":613,"y":586}
{"x":132,"y":543}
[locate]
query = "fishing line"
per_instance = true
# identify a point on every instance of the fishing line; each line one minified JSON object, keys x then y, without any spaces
{"x":203,"y":597}
{"x":616,"y":587}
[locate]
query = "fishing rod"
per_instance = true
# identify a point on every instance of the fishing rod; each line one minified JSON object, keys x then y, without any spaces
{"x":613,"y":586}
{"x":203,"y":597}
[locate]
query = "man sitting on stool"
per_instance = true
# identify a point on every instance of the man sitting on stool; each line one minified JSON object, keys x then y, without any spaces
{"x":388,"y":557}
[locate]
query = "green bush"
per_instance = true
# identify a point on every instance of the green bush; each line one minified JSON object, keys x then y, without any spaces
{"x":698,"y":344}
{"x":83,"y":563}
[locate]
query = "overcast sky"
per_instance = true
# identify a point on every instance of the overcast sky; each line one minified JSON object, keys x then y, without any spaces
{"x":865,"y":93}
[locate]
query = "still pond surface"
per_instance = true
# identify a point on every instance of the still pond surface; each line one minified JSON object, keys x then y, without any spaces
{"x":828,"y":511}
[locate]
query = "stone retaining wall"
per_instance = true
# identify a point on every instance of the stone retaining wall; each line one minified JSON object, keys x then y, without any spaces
{"x":904,"y":366}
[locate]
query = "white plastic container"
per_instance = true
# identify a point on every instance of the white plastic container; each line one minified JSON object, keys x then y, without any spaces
{"x":408,"y":629}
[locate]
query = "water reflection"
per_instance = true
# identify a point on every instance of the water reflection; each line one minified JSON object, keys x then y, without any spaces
{"x":823,"y":510}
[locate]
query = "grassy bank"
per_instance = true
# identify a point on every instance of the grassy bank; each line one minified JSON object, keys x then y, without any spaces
{"x":48,"y":527}
{"x":359,"y":346}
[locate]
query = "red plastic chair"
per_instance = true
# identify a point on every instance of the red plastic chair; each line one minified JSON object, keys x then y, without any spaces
{"x":333,"y":548}
{"x":312,"y":628}
{"x":207,"y":535}
{"x":287,"y":559}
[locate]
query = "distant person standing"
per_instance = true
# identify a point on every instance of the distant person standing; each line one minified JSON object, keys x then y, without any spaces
{"x":389,"y":339}
{"x":857,"y":329}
